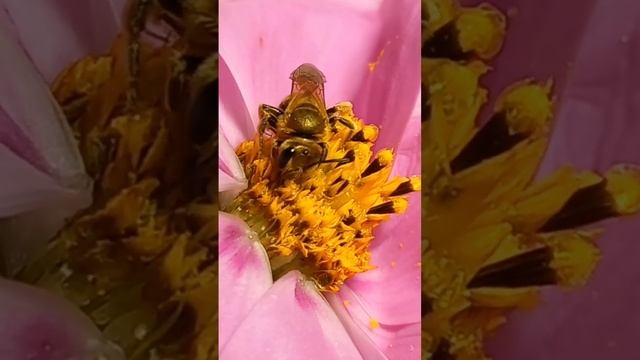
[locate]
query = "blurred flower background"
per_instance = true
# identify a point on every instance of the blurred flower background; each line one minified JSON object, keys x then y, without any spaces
{"x":592,"y":50}
{"x":116,"y":175}
{"x":589,"y":49}
{"x":42,"y":178}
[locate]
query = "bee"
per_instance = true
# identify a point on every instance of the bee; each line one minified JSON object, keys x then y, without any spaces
{"x":300,"y":124}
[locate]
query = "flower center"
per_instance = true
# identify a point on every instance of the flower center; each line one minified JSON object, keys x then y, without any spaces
{"x":321,"y":221}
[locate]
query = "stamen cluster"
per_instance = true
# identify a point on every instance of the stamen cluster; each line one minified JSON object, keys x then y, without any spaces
{"x":321,"y":222}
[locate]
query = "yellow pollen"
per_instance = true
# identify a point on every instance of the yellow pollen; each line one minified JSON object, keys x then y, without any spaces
{"x":321,"y":221}
{"x":346,"y":302}
{"x":373,"y":324}
{"x":374,"y":65}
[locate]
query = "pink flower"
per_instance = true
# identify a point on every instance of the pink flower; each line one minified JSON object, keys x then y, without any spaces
{"x":42,"y":178}
{"x":37,"y":325}
{"x":40,"y":166}
{"x":591,"y":49}
{"x":370,"y":55}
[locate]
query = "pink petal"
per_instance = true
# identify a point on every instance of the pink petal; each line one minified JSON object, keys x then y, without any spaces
{"x":397,"y":258}
{"x":362,"y":338}
{"x":33,"y":207}
{"x":231,"y":178}
{"x":263,"y":41}
{"x":55,"y":33}
{"x":375,"y":339}
{"x":245,"y":274}
{"x":391,"y":87}
{"x":391,"y":293}
{"x":18,"y":142}
{"x":409,"y":149}
{"x":39,"y":162}
{"x":31,"y":111}
{"x":235,"y":122}
{"x":291,"y":321}
{"x":598,"y":123}
{"x":597,"y":127}
{"x":36,"y":325}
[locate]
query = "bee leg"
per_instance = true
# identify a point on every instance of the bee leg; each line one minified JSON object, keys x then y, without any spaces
{"x":137,"y":21}
{"x":333,"y":118}
{"x":344,"y":160}
{"x":285,"y":102}
{"x":348,"y":157}
{"x":268,"y":116}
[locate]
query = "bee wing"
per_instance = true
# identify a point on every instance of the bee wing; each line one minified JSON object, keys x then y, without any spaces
{"x":307,"y":80}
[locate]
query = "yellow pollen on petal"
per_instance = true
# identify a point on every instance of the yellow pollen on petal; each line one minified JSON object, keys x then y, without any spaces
{"x":374,"y":65}
{"x":373,"y":324}
{"x":321,"y":221}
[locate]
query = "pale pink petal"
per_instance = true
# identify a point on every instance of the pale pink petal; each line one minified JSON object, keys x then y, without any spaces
{"x":291,"y":321}
{"x":33,"y":207}
{"x":409,"y":146}
{"x":231,"y":175}
{"x":391,"y":87}
{"x":245,"y":274}
{"x":375,"y":340}
{"x":18,"y":142}
{"x":339,"y":38}
{"x":41,"y":166}
{"x":236,"y":124}
{"x":406,"y":343}
{"x":55,"y":33}
{"x":37,"y":325}
{"x":361,"y":337}
{"x":32,"y":111}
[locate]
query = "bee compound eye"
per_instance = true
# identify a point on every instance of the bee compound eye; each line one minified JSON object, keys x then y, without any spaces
{"x":305,"y":152}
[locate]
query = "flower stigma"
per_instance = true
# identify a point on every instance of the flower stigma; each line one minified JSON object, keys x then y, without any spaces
{"x":320,"y":220}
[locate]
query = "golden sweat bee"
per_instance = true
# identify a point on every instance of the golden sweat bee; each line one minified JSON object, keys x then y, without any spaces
{"x":300,"y":124}
{"x":316,"y":188}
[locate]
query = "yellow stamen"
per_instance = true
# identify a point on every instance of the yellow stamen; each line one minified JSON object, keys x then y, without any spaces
{"x":322,"y":221}
{"x":481,"y":30}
